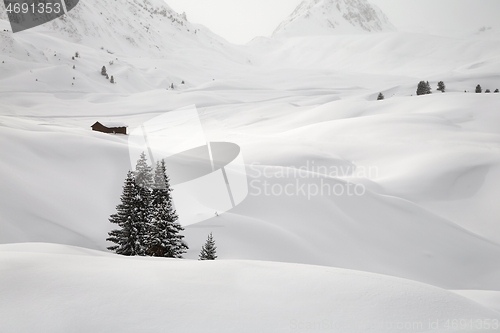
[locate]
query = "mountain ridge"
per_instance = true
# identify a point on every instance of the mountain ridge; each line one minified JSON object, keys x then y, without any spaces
{"x":325,"y":17}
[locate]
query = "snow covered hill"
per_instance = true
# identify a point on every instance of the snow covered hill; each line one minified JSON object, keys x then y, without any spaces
{"x":143,"y":43}
{"x":431,"y":163}
{"x":56,"y":289}
{"x":327,"y":17}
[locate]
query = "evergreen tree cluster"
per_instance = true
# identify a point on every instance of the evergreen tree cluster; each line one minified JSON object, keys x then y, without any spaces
{"x":424,"y":88}
{"x":148,"y":223}
{"x":105,"y":74}
{"x":479,"y":90}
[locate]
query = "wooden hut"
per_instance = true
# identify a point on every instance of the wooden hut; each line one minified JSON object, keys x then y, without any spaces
{"x":114,"y":128}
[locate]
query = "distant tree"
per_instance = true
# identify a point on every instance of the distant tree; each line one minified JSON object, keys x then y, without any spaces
{"x":164,"y":236}
{"x":77,"y":55}
{"x":112,"y":79}
{"x":479,"y":89}
{"x":208,"y":251}
{"x":496,"y":91}
{"x":380,"y":97}
{"x":107,"y":76}
{"x":487,"y":91}
{"x":441,"y":86}
{"x":72,"y":58}
{"x":172,"y":86}
{"x":74,"y":67}
{"x":129,"y":238}
{"x":428,"y":88}
{"x":182,"y":82}
{"x":103,"y":71}
{"x":143,"y":172}
{"x":423,"y":88}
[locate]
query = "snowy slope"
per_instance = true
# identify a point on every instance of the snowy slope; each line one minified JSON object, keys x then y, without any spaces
{"x":429,"y":214}
{"x":339,"y":17}
{"x":407,"y":224}
{"x":144,"y":44}
{"x":48,"y":288}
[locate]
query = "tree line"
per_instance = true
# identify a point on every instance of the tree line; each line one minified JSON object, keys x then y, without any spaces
{"x":424,"y":88}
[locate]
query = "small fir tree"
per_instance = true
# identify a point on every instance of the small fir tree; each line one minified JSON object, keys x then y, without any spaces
{"x":380,"y":97}
{"x":479,"y":89}
{"x":208,"y":250}
{"x":441,"y":86}
{"x":487,"y":91}
{"x":103,"y":71}
{"x":112,"y":79}
{"x":496,"y":90}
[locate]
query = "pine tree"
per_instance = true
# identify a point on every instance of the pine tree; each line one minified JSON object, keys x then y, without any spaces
{"x":380,"y":97}
{"x":428,"y":89}
{"x":143,"y":172}
{"x":165,"y":239}
{"x":487,"y":91}
{"x":103,"y":71}
{"x":496,"y":90}
{"x":441,"y":86}
{"x":423,"y":88}
{"x":479,"y":89}
{"x":208,"y":251}
{"x":129,"y":237}
{"x":112,"y":79}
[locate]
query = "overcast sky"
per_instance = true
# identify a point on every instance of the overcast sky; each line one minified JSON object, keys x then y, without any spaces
{"x":239,"y":21}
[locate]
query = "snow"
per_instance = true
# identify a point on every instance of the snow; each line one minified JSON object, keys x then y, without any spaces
{"x":324,"y":17}
{"x":428,"y":221}
{"x":60,"y":288}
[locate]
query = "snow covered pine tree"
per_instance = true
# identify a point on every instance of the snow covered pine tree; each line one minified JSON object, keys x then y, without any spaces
{"x":164,"y":234}
{"x":208,"y":251}
{"x":128,"y":238}
{"x":133,"y":213}
{"x":146,"y":215}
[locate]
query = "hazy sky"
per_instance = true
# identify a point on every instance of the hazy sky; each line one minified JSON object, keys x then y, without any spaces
{"x":239,"y":21}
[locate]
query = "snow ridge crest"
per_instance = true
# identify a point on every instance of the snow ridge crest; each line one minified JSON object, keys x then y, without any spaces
{"x":326,"y":17}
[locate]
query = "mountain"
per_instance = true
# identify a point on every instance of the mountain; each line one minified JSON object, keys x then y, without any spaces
{"x":150,"y":26}
{"x":144,"y":43}
{"x":326,"y":17}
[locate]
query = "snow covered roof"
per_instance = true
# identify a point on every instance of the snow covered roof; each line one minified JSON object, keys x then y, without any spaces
{"x":111,"y":124}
